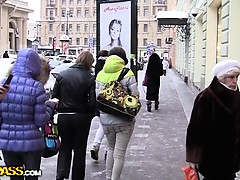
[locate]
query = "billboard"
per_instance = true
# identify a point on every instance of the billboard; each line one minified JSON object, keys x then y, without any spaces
{"x":115,"y":25}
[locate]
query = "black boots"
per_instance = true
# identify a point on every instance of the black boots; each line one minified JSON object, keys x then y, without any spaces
{"x":149,"y":105}
{"x":156,"y":105}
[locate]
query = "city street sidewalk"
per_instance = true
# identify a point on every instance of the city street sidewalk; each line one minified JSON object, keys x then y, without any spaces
{"x":157,"y":148}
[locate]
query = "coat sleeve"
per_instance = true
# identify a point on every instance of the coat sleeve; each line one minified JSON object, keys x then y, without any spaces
{"x":56,"y":88}
{"x":92,"y":103}
{"x":196,"y":130}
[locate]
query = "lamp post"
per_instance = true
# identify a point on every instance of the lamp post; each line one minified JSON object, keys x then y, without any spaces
{"x":37,"y":29}
{"x":67,"y":21}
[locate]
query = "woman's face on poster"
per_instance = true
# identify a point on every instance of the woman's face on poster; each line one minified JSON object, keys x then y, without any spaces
{"x":115,"y":31}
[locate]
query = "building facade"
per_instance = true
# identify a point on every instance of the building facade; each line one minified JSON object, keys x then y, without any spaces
{"x":77,"y":19}
{"x":214,"y":36}
{"x":13,"y":23}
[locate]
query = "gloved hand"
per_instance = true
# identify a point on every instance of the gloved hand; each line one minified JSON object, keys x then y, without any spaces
{"x":53,"y":103}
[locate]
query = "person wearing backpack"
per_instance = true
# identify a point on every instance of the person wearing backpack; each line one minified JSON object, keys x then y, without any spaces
{"x":118,"y":130}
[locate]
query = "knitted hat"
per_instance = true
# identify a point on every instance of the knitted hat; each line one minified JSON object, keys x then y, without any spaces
{"x":119,"y":52}
{"x":223,"y":67}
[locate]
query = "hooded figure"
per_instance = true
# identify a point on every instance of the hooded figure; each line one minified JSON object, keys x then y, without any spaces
{"x":213,"y":134}
{"x":23,"y":112}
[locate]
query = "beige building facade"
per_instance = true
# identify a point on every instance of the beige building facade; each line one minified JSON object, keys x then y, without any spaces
{"x":13,"y":23}
{"x":214,"y":37}
{"x":77,"y":19}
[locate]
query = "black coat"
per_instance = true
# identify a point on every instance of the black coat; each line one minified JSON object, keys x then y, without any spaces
{"x":75,"y":89}
{"x":153,"y":72}
{"x":99,"y":65}
{"x":213,"y":134}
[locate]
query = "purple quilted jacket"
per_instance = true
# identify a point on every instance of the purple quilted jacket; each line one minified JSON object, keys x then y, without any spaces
{"x":23,"y":110}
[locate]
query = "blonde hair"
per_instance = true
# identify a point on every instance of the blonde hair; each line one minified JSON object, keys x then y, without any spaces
{"x":45,"y":71}
{"x":86,"y":59}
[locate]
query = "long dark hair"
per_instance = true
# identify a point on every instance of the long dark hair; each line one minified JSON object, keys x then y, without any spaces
{"x":155,"y":67}
{"x":115,"y":21}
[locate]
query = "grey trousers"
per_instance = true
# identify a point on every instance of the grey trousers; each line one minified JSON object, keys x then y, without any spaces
{"x":118,"y":138}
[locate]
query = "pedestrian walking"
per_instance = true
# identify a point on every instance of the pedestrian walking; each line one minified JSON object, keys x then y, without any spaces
{"x":75,"y":89}
{"x":165,"y":65}
{"x":213,"y":134}
{"x":5,"y":54}
{"x":153,"y":73}
{"x":101,"y":58}
{"x":117,"y":129}
{"x":24,"y":111}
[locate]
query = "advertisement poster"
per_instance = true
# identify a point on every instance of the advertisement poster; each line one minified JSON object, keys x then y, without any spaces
{"x":115,"y":26}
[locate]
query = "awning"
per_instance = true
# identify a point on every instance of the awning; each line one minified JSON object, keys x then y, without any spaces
{"x":172,"y":18}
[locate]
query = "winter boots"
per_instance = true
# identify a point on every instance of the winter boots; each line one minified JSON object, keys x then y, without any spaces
{"x":149,"y":105}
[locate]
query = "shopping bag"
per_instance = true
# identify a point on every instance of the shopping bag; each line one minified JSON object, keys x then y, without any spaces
{"x":190,"y":173}
{"x":51,"y":138}
{"x":114,"y":99}
{"x":145,"y":81}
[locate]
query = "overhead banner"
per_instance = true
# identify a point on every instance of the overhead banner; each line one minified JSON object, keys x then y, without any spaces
{"x":115,"y":25}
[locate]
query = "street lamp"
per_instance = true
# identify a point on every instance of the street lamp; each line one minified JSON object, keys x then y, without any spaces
{"x":37,"y":29}
{"x":67,"y":13}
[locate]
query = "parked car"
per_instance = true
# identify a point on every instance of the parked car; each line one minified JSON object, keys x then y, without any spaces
{"x":53,"y":75}
{"x":5,"y":65}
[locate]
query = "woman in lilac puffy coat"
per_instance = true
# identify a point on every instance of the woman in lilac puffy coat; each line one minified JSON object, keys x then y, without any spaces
{"x":23,"y":111}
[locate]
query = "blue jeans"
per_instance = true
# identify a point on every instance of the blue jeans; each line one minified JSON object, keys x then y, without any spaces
{"x":118,"y":138}
{"x":30,"y":161}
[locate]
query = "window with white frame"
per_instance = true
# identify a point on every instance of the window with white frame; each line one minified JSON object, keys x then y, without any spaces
{"x":86,"y":28}
{"x":159,"y":42}
{"x":144,"y":41}
{"x":63,"y":14}
{"x":94,"y":27}
{"x":79,"y":13}
{"x":63,"y":2}
{"x":50,"y":27}
{"x":145,"y":12}
{"x":78,"y":27}
{"x":87,"y":13}
{"x":62,"y":27}
{"x":70,"y":27}
{"x":145,"y":28}
{"x":85,"y":41}
{"x":78,"y":41}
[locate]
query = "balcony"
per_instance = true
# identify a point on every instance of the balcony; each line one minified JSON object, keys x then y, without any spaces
{"x":51,"y":5}
{"x":160,"y":2}
{"x":50,"y":18}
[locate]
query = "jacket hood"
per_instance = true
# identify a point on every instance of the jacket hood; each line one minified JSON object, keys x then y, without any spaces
{"x":27,"y":64}
{"x":113,"y":64}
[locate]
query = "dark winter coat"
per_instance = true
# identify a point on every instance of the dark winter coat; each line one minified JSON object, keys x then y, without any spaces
{"x":75,"y":89}
{"x":153,"y":72}
{"x":99,"y":65}
{"x":23,"y":110}
{"x":213,"y":134}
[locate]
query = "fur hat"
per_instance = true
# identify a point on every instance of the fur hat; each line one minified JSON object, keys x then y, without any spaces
{"x":102,"y":53}
{"x":223,"y":67}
